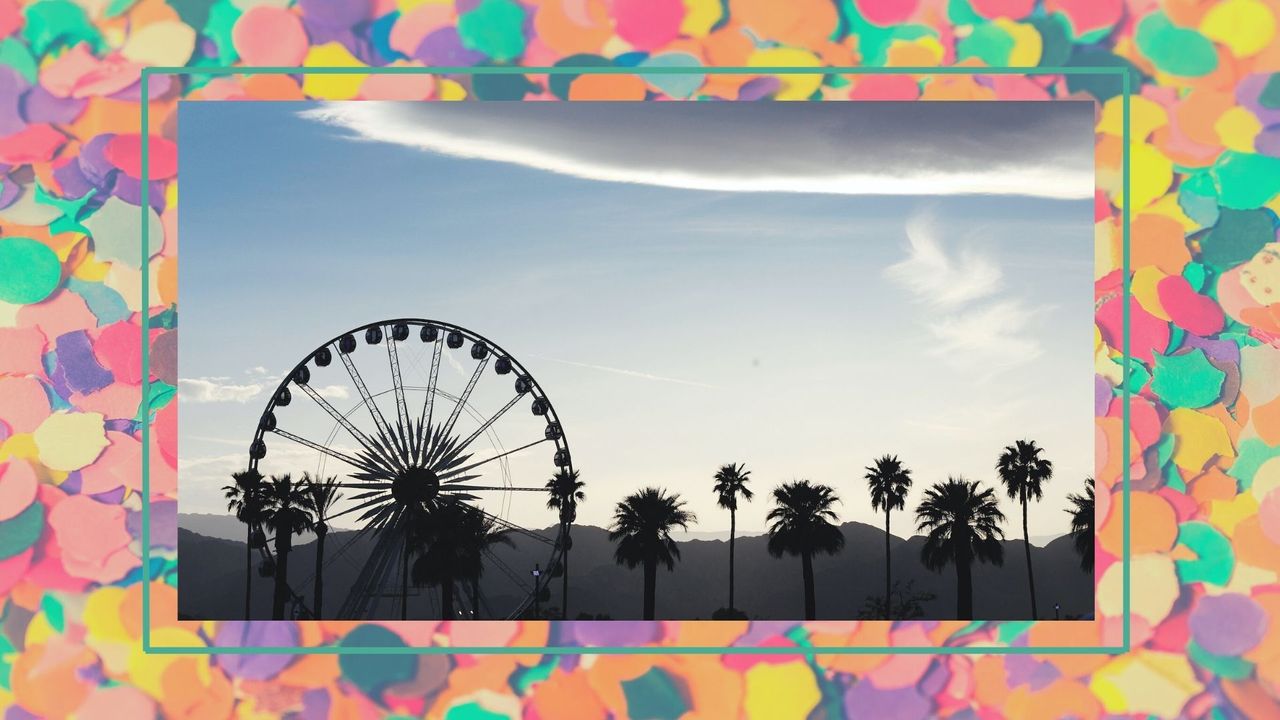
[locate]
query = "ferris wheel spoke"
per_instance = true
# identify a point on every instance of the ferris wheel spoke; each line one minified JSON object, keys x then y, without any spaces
{"x":459,"y":471}
{"x":342,"y":420}
{"x":357,"y":508}
{"x":378,"y":420}
{"x":498,"y":488}
{"x":485,"y":426}
{"x":428,"y":405}
{"x":393,"y":356}
{"x":462,"y":399}
{"x":326,"y":450}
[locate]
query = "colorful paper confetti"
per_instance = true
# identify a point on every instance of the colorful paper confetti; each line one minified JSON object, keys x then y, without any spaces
{"x":1204,"y":437}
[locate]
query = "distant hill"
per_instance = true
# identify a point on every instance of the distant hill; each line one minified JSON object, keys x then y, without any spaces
{"x":211,"y":577}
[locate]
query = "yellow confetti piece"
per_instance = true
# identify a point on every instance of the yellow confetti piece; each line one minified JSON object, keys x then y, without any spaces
{"x":1143,"y":289}
{"x":70,"y":440}
{"x":1244,"y":26}
{"x":778,"y":692}
{"x":91,"y":269}
{"x":1146,"y":683}
{"x":451,"y":90}
{"x":406,"y":6}
{"x":38,"y":631}
{"x":164,"y":43}
{"x":1236,"y":128}
{"x":146,"y":671}
{"x":102,"y":615}
{"x":1150,"y":175}
{"x":22,"y":445}
{"x":1225,"y":515}
{"x":1198,"y":438}
{"x":700,"y":16}
{"x":1108,"y":249}
{"x":1028,"y":45}
{"x":1145,"y":117}
{"x":794,"y":87}
{"x":332,"y":87}
{"x":1168,"y":206}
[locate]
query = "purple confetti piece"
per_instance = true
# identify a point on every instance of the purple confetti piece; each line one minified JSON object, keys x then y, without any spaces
{"x":1026,"y":670}
{"x":129,"y":190}
{"x":93,"y":161}
{"x":466,"y":6}
{"x":1248,"y":94}
{"x":72,"y":484}
{"x":12,"y":86}
{"x":1101,"y":396}
{"x":866,"y":700}
{"x":41,"y":106}
{"x":1220,"y":350}
{"x":255,"y":634}
{"x":164,"y":524}
{"x":110,"y":497}
{"x":614,"y":632}
{"x":444,"y":47}
{"x":1227,"y":625}
{"x":315,"y":705}
{"x":72,"y":179}
{"x":935,"y":678}
{"x":1267,"y":142}
{"x":13,"y":712}
{"x":762,"y":630}
{"x":759,"y":88}
{"x":81,"y":368}
{"x":122,"y":425}
{"x":334,"y":14}
{"x":9,"y":192}
{"x":158,"y":86}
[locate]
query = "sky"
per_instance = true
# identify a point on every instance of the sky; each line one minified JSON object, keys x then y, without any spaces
{"x":799,"y":287}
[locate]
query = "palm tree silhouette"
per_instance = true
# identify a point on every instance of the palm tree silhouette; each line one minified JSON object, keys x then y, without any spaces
{"x":479,"y":532}
{"x":888,"y":482}
{"x":287,"y":513}
{"x":962,"y":523}
{"x":1081,"y":512}
{"x":323,"y":494}
{"x":245,"y":497}
{"x":642,"y":525}
{"x":443,"y":549}
{"x":1023,"y":473}
{"x":564,"y":494}
{"x":731,"y":483}
{"x":804,"y":524}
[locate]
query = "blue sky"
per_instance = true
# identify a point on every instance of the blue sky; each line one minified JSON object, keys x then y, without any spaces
{"x":802,"y":333}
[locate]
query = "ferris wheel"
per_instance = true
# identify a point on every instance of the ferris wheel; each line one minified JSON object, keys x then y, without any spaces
{"x":422,"y":424}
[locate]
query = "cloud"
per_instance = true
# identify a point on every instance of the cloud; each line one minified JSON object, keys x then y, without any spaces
{"x":333,"y":392}
{"x":977,"y":328}
{"x":211,"y":390}
{"x":630,"y":373}
{"x":936,"y":278}
{"x":1035,"y":149}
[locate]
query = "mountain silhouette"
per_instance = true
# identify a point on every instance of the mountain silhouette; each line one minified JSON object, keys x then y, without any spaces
{"x":211,"y":577}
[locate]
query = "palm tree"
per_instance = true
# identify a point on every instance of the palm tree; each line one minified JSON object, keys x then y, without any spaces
{"x":323,"y":493}
{"x":245,"y":497}
{"x":888,"y":482}
{"x":1082,"y":524}
{"x":479,"y":532}
{"x":439,"y":534}
{"x":642,"y":526}
{"x":287,"y":513}
{"x":962,"y":524}
{"x":731,"y":482}
{"x":564,"y":493}
{"x":1023,"y":473}
{"x":804,"y":524}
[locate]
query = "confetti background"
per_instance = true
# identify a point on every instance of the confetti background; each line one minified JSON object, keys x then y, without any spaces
{"x":1205,"y":369}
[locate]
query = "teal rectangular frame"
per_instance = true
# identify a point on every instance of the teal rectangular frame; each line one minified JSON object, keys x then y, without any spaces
{"x":1122,"y":72}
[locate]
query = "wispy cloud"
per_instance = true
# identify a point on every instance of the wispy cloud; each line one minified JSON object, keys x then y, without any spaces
{"x":333,"y":392}
{"x":971,"y":325}
{"x":629,"y":373}
{"x":1027,"y":149}
{"x":211,"y":390}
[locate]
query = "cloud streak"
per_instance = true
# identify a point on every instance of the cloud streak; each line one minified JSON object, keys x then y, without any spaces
{"x":630,"y":373}
{"x":1033,"y":149}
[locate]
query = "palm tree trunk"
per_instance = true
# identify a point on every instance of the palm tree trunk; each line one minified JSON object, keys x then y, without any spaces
{"x":248,"y":570}
{"x":564,"y":577}
{"x":964,"y":583}
{"x":318,"y":583}
{"x":810,"y":605}
{"x":1026,"y":545}
{"x":446,"y":599}
{"x":404,"y":580}
{"x":281,"y":595}
{"x":475,"y":598}
{"x":650,"y":587}
{"x":733,"y":527}
{"x":888,"y":611}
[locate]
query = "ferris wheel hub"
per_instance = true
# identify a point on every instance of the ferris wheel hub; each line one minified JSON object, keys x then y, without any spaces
{"x":415,"y":485}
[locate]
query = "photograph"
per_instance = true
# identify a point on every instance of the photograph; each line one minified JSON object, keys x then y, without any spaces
{"x":608,"y":361}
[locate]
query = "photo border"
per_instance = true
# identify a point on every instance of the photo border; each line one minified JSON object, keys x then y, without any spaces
{"x":557,"y":650}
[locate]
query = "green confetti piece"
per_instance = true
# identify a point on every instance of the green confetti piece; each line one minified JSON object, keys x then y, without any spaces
{"x":1198,"y":198}
{"x":1010,"y":631}
{"x":680,"y":86}
{"x":1173,"y":478}
{"x":1241,"y":339}
{"x":495,"y":28}
{"x":501,"y":87}
{"x":118,"y":7}
{"x":472,"y":711}
{"x":160,"y":394}
{"x":53,"y":613}
{"x":1270,"y":95}
{"x":988,"y":42}
{"x":373,"y":673}
{"x":1251,"y":453}
{"x":1187,"y":380}
{"x":1245,"y":180}
{"x":1103,"y":87}
{"x":53,"y":24}
{"x":1175,"y":50}
{"x":1195,"y":275}
{"x":525,"y":678}
{"x":16,"y":55}
{"x":192,"y":12}
{"x":961,"y":12}
{"x":70,"y":208}
{"x":654,"y":696}
{"x":1215,"y":559}
{"x":1055,"y":39}
{"x":1139,"y":376}
{"x":21,"y":531}
{"x":29,"y":271}
{"x":1231,"y":668}
{"x":167,"y":319}
{"x":1237,"y":237}
{"x":559,"y":84}
{"x":1176,"y":334}
{"x":222,"y":19}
